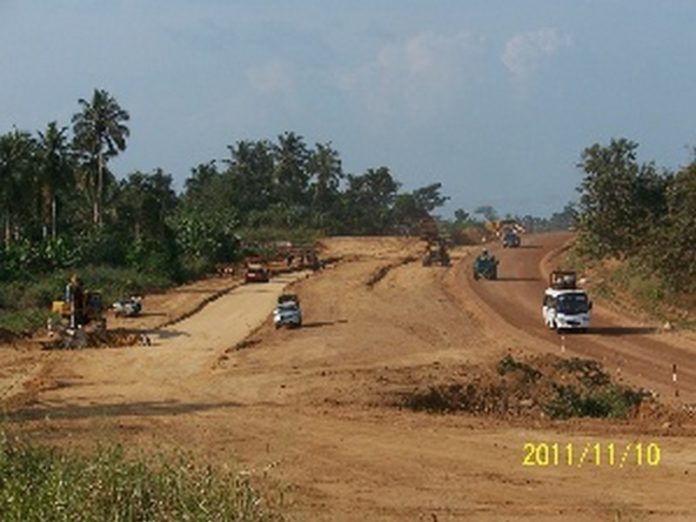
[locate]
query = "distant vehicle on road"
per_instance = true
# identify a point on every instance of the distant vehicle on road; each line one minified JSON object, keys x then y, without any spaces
{"x":287,"y":312}
{"x":256,"y":273}
{"x":486,"y":266}
{"x":565,"y":306}
{"x":511,"y":239}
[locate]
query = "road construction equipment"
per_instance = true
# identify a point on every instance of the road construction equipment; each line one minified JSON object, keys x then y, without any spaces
{"x":428,"y":229}
{"x":511,"y":238}
{"x":499,"y":226}
{"x":79,"y":306}
{"x":486,"y":266}
{"x":436,"y":253}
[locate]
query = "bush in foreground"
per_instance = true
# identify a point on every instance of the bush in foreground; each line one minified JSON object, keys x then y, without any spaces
{"x":38,"y":484}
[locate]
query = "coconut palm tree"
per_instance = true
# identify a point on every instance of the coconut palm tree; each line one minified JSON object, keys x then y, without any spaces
{"x":55,"y":171}
{"x":100,"y":133}
{"x":17,"y":150}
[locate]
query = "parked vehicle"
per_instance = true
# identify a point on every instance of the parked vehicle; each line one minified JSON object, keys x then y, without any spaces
{"x":130,"y":307}
{"x":287,"y":311}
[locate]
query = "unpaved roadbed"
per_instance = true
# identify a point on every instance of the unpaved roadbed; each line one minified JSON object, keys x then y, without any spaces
{"x":304,"y":407}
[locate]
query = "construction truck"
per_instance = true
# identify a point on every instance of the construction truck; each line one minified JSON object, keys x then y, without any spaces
{"x":511,"y":239}
{"x":486,"y":266}
{"x":436,"y":248}
{"x":436,"y":253}
{"x":428,"y":229}
{"x":565,"y":306}
{"x":498,"y":227}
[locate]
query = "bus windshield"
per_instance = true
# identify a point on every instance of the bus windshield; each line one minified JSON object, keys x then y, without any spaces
{"x":573,"y":304}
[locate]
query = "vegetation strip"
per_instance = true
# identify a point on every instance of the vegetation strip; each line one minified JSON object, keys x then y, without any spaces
{"x":43,"y":485}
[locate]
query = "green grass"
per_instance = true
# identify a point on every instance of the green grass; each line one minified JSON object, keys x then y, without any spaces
{"x":39,"y":484}
{"x":25,"y":304}
{"x":19,"y":321}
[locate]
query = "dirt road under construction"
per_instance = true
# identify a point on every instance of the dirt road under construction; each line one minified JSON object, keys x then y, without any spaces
{"x":313,"y":411}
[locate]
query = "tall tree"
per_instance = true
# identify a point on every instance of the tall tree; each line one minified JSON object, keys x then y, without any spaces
{"x":55,"y":171}
{"x":672,"y":246}
{"x":325,"y":168}
{"x":620,"y":199}
{"x":100,"y":133}
{"x":368,"y":202}
{"x":251,"y":167}
{"x":145,"y":201}
{"x":17,"y":154}
{"x":291,"y":176}
{"x":487,"y":211}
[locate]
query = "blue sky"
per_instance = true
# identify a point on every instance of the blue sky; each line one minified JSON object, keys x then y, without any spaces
{"x":495,"y":99}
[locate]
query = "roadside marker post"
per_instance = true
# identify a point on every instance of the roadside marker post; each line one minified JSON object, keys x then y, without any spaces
{"x":563,"y":347}
{"x":674,"y":380}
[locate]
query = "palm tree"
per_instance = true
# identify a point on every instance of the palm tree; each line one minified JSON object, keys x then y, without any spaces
{"x":325,"y":166}
{"x":17,"y":150}
{"x":100,"y":133}
{"x":55,"y":170}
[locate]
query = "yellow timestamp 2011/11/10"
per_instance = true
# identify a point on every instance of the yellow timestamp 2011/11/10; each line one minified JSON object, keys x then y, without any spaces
{"x":610,"y":454}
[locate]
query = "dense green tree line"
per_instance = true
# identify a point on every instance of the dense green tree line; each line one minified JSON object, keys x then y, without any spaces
{"x":62,"y":205}
{"x":632,"y":210}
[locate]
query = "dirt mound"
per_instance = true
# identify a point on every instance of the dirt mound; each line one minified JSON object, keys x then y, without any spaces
{"x":540,"y":386}
{"x":92,"y":339}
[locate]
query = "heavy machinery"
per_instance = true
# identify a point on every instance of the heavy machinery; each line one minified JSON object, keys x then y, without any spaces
{"x":500,"y":226}
{"x":486,"y":266}
{"x":436,"y":253}
{"x":565,"y":306}
{"x":82,"y":316}
{"x":436,"y":248}
{"x":511,"y":238}
{"x":80,"y":307}
{"x":428,"y":229}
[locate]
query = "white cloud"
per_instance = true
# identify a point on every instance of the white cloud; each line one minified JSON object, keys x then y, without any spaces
{"x":414,"y":76}
{"x":272,"y":77}
{"x":524,"y":52}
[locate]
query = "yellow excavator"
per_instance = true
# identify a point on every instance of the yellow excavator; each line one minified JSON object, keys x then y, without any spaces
{"x":80,"y":307}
